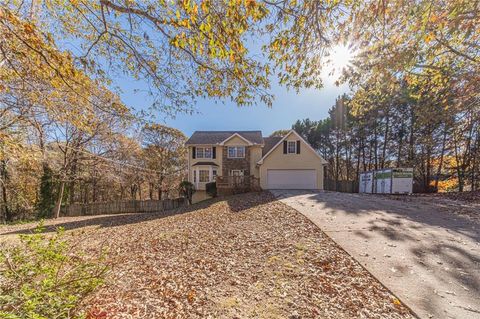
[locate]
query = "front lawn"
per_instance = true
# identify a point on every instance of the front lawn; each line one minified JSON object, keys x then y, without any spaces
{"x":246,"y":256}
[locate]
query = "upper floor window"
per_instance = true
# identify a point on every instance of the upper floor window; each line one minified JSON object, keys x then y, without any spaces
{"x":203,"y":152}
{"x":292,"y":147}
{"x":236,"y":151}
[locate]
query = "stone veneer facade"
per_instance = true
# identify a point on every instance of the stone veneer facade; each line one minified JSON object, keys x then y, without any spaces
{"x":235,"y":163}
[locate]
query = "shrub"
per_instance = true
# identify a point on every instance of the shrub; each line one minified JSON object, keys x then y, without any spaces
{"x":186,"y":190}
{"x":211,"y":189}
{"x":43,"y":278}
{"x":47,"y":193}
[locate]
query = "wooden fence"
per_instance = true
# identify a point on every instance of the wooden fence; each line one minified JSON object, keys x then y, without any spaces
{"x":341,"y":186}
{"x":120,"y":207}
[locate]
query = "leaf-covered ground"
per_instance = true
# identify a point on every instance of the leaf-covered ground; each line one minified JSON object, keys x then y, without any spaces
{"x":246,"y":256}
{"x":466,"y":204}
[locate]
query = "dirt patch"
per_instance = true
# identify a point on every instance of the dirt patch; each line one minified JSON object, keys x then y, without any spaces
{"x":246,"y":256}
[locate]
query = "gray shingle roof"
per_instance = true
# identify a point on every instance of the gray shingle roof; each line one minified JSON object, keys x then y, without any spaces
{"x":216,"y":137}
{"x":270,"y":142}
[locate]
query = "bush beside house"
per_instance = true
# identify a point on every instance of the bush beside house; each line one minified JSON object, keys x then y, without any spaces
{"x":211,"y":189}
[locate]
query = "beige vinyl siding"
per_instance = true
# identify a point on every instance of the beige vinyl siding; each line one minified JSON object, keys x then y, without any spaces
{"x":255,"y":156}
{"x":236,"y":141}
{"x":307,"y":159}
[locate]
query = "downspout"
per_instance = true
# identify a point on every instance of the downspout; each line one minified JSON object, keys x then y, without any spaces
{"x":188,"y":163}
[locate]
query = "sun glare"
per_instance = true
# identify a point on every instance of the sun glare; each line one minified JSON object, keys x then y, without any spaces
{"x":340,"y":58}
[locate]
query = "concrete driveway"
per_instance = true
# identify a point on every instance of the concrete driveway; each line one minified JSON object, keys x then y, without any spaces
{"x":428,"y":257}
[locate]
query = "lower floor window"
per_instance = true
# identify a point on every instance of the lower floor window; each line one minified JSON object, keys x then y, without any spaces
{"x":214,"y":174}
{"x":203,"y":176}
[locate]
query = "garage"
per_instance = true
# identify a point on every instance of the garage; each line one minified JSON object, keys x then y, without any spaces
{"x":292,"y":179}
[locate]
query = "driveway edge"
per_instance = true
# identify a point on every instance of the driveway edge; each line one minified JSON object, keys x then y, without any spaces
{"x":341,"y":248}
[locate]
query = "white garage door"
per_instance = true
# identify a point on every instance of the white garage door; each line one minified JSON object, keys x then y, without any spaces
{"x":291,"y":179}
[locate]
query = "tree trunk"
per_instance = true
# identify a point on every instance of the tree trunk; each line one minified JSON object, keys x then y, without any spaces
{"x":400,"y":144}
{"x":85,"y":194}
{"x":150,"y":190}
{"x":474,"y":162}
{"x":71,"y":186}
{"x":337,"y":160}
{"x":133,"y":191}
{"x":160,"y":186}
{"x":358,"y":161}
{"x":370,"y":150}
{"x":58,"y":205}
{"x":364,"y":158}
{"x":375,"y":144}
{"x":3,"y":184}
{"x":428,"y":168}
{"x":348,"y":149}
{"x":411,"y":149}
{"x":459,"y":169}
{"x":385,"y":142}
{"x":440,"y":164}
{"x":94,"y":190}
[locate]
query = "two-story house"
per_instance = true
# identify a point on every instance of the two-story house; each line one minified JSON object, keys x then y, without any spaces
{"x":287,"y":162}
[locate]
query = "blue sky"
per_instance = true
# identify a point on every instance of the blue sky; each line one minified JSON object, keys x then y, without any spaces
{"x":213,"y":115}
{"x":288,"y":106}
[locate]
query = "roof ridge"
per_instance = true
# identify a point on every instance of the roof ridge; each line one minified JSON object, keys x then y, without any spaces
{"x":232,"y":131}
{"x":215,"y":137}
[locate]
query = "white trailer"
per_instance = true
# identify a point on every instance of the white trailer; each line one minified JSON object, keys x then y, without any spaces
{"x":383,"y":181}
{"x":366,"y":184}
{"x":402,"y":181}
{"x":387,"y":181}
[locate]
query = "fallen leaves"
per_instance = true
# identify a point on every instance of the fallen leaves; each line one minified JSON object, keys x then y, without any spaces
{"x":466,"y":204}
{"x":246,"y":256}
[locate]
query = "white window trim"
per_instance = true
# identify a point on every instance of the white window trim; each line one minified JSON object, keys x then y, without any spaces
{"x":237,"y":170}
{"x":209,"y":175}
{"x":295,"y":147}
{"x":196,"y":174}
{"x":203,"y":152}
{"x":236,"y":151}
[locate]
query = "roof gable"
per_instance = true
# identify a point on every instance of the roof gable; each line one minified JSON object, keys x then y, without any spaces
{"x":270,"y":142}
{"x":280,"y":142}
{"x":238,"y":136}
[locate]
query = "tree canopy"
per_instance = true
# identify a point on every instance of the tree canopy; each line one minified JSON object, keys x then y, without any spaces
{"x":66,"y":134}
